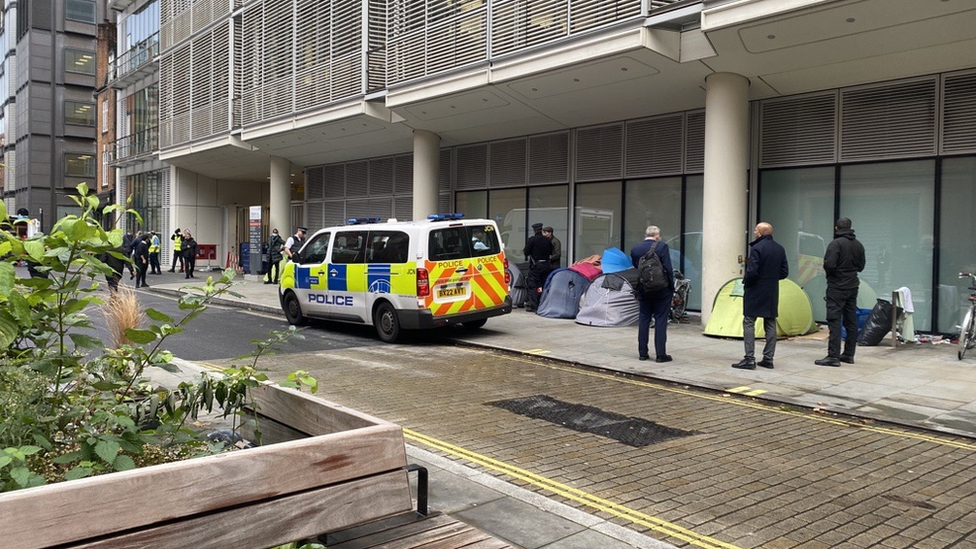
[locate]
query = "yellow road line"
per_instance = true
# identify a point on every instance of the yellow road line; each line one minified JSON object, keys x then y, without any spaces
{"x":574,"y":494}
{"x":537,"y":351}
{"x":762,"y":406}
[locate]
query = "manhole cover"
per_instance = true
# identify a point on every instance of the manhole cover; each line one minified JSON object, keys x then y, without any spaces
{"x":632,"y":431}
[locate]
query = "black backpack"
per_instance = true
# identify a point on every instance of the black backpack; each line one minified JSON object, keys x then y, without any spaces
{"x":650,"y":273}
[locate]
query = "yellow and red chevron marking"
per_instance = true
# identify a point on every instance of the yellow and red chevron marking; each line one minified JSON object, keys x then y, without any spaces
{"x":809,"y":266}
{"x":487,"y":287}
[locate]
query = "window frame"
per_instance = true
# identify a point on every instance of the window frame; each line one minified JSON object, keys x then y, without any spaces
{"x":91,"y":3}
{"x":90,"y":163}
{"x":70,"y":63}
{"x":67,"y":110}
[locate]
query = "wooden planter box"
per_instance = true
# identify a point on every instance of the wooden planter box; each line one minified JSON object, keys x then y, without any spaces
{"x":349,"y":470}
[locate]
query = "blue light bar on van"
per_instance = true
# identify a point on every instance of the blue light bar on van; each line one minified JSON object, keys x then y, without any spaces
{"x":362,"y":220}
{"x":445,"y":216}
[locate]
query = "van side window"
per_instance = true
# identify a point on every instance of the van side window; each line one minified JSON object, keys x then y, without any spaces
{"x":315,"y":250}
{"x":387,"y":247}
{"x":463,"y":242}
{"x":349,"y":247}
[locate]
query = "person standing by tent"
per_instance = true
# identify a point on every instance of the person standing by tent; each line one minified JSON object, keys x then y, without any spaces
{"x":843,"y":259}
{"x":177,"y":239}
{"x":657,"y":305}
{"x":275,"y":245}
{"x":537,"y":251}
{"x":189,"y":253}
{"x":557,"y":248}
{"x":765,"y":267}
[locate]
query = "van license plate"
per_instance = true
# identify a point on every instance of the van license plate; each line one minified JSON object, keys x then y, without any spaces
{"x":450,"y":292}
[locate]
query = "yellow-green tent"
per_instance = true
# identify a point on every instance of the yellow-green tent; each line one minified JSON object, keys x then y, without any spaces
{"x":795,"y":313}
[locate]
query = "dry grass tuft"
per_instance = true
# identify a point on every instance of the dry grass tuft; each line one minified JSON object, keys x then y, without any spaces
{"x":122,"y":312}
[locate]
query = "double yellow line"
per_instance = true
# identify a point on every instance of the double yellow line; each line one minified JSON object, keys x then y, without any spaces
{"x":574,"y":494}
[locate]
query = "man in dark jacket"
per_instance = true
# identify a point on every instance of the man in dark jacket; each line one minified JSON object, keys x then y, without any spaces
{"x":843,"y":259}
{"x":140,"y":256}
{"x":766,"y":266}
{"x":658,"y":305}
{"x":537,"y":251}
{"x":189,"y":246}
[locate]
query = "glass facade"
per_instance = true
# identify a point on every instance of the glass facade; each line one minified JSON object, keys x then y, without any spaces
{"x":79,"y":165}
{"x":78,"y":113}
{"x":80,"y":10}
{"x":598,"y":214}
{"x":957,"y":246}
{"x":146,"y":193}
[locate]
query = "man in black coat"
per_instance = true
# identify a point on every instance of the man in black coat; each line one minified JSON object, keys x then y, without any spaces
{"x":140,"y":256}
{"x":538,"y":249}
{"x":766,"y":266}
{"x":843,"y":259}
{"x":656,"y":306}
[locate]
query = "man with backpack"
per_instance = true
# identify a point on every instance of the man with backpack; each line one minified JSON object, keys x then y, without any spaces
{"x":655,"y":289}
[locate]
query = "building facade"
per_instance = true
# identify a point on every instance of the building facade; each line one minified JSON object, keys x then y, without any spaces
{"x":597,"y":117}
{"x":48,"y":117}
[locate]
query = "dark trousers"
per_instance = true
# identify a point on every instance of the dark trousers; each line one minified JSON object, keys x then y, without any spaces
{"x":533,"y":284}
{"x":841,"y":305}
{"x":190,"y":263}
{"x":154,"y":263}
{"x":658,"y":308}
{"x":177,"y":256}
{"x":141,"y":269}
{"x":113,"y":282}
{"x":275,"y":268}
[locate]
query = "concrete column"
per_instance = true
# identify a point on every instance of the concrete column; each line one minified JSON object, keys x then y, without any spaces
{"x":279,"y":198}
{"x":426,"y":167}
{"x":725,"y":208}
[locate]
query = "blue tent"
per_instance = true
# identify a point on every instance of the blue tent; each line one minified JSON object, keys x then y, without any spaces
{"x":614,"y":261}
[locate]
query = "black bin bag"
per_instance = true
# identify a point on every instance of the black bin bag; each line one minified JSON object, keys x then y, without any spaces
{"x":877,"y":325}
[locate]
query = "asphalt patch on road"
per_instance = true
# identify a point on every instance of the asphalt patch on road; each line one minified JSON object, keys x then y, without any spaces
{"x":632,"y":431}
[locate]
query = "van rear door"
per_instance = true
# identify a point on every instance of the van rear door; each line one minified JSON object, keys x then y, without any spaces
{"x":466,"y":270}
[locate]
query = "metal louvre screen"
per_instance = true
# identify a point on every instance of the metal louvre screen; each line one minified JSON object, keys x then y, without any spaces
{"x":381,"y":177}
{"x":959,"y":114}
{"x":201,"y":92}
{"x":599,"y":153}
{"x":695,"y":142}
{"x":314,"y":183}
{"x":180,"y":90}
{"x":589,"y":14}
{"x":890,"y":121}
{"x":521,"y":24}
{"x":315,"y":215}
{"x":334,"y":213}
{"x":798,"y":131}
{"x":507,"y":168}
{"x":472,"y":167}
{"x":357,"y":176}
{"x":444,"y":171}
{"x":403,"y":208}
{"x":334,"y":177}
{"x":654,"y":146}
{"x":403,"y":174}
{"x":549,"y":159}
{"x":426,"y":38}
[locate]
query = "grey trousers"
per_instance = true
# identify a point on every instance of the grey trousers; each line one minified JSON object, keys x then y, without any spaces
{"x":749,"y":336}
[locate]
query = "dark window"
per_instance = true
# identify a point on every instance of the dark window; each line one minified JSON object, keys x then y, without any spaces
{"x":463,"y":242}
{"x":80,"y":114}
{"x":79,"y":61}
{"x":388,"y":247}
{"x":315,"y":251}
{"x":79,"y":165}
{"x":349,"y":247}
{"x":80,"y":10}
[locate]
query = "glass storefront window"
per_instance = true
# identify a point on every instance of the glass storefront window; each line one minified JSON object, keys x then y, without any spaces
{"x":472,"y":204}
{"x":550,"y":206}
{"x":507,"y":208}
{"x":799,"y":204}
{"x":654,"y":202}
{"x":957,"y":248}
{"x":598,"y":214}
{"x":691,"y":241}
{"x":892,"y":207}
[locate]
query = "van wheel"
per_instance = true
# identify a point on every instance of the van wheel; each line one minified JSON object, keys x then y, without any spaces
{"x":293,"y":310}
{"x":473,"y":325}
{"x":386,"y":322}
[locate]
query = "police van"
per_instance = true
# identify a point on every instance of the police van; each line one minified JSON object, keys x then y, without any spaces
{"x":399,"y":275}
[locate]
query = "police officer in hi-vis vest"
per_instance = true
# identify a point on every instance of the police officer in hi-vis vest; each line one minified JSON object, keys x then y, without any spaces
{"x":177,"y":239}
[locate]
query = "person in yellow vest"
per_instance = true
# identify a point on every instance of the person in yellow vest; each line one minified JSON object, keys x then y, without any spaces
{"x":154,"y":253}
{"x":177,"y":239}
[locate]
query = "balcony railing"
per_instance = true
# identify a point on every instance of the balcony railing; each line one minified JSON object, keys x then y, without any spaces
{"x":134,"y":146}
{"x":137,"y":60}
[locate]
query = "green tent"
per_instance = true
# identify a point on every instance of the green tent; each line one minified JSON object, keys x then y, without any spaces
{"x":795,"y":313}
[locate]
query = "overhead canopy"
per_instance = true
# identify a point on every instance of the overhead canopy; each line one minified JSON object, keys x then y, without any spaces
{"x":795,"y":315}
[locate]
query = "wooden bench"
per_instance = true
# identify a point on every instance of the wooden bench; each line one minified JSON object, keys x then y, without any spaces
{"x":350,"y":470}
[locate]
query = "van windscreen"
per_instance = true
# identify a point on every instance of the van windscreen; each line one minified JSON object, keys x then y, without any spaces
{"x":463,"y":242}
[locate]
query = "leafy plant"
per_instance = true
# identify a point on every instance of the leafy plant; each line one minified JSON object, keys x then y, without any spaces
{"x":76,"y":407}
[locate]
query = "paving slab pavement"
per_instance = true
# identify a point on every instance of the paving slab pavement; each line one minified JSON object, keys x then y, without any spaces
{"x":917,"y":385}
